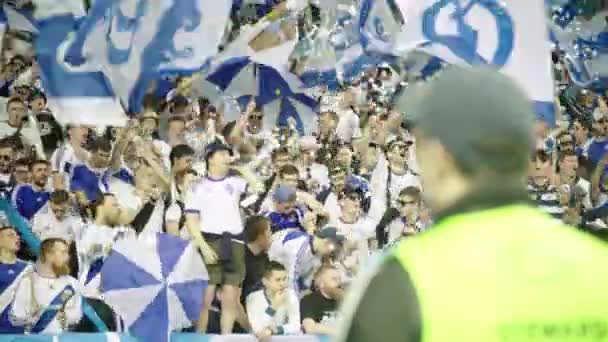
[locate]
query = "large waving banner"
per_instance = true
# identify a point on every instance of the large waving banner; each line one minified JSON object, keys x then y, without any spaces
{"x":509,"y":34}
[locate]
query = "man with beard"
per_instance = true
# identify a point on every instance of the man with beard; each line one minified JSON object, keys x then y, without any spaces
{"x":29,"y":198}
{"x":318,"y":310}
{"x":47,"y":300}
{"x":12,"y":271}
{"x":93,"y":248}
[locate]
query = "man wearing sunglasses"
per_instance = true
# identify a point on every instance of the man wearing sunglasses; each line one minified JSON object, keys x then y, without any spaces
{"x":409,"y":206}
{"x":565,"y":143}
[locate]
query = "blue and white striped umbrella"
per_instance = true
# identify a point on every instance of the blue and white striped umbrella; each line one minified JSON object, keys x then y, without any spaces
{"x":155,"y":284}
{"x":278,"y":93}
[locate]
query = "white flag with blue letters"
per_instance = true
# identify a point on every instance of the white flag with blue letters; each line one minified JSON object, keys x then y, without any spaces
{"x":509,"y":34}
{"x":135,"y":41}
{"x":82,"y":97}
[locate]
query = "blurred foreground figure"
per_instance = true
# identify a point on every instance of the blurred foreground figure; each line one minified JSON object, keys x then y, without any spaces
{"x":492,"y":268}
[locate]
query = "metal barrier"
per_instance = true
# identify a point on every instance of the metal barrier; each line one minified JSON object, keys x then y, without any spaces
{"x":176,"y":337}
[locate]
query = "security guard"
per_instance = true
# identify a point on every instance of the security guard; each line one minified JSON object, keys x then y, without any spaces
{"x":492,"y":268}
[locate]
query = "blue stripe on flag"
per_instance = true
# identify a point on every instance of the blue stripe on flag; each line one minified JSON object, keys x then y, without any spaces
{"x":272,"y":84}
{"x":287,"y":110}
{"x":227,"y":71}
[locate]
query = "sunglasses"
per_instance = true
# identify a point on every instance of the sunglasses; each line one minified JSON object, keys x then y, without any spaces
{"x":404,"y":203}
{"x":256,"y":117}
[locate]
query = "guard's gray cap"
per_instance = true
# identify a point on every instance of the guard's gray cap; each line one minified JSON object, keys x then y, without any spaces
{"x":479,"y":115}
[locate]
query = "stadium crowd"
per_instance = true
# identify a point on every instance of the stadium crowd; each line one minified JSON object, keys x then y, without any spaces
{"x":283,"y":222}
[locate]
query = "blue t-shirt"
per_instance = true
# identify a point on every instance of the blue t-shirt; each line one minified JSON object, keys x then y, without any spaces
{"x":292,"y":220}
{"x":94,"y":182}
{"x":597,"y":149}
{"x":28,"y":201}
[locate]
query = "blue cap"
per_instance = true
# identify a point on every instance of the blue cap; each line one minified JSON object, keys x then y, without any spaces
{"x":284,"y":194}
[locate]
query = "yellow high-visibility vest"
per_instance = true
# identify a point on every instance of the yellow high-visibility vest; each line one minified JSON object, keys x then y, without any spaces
{"x":508,"y":274}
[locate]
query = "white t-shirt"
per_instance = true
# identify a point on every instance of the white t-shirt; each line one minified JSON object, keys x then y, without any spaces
{"x":348,"y":126}
{"x":217,"y":203}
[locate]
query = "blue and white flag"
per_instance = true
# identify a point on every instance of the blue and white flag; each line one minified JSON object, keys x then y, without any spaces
{"x":19,"y":19}
{"x":77,"y":97}
{"x":509,"y":34}
{"x":335,"y":53}
{"x":136,"y":41}
{"x":3,"y":27}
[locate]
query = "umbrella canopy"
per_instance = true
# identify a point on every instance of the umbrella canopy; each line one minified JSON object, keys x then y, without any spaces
{"x":277,"y":93}
{"x":155,"y":284}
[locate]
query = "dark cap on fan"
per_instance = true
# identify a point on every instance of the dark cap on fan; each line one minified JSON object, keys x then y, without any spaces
{"x":480,"y":116}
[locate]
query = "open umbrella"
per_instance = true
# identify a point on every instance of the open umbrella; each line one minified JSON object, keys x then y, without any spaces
{"x":155,"y":284}
{"x":277,"y":92}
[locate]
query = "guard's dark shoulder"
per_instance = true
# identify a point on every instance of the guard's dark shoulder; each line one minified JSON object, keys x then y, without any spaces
{"x":389,"y":309}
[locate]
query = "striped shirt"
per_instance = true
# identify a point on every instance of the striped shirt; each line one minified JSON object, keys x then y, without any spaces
{"x":546,"y":199}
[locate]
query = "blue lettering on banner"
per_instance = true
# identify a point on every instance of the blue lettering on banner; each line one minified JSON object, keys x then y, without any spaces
{"x":465,"y":44}
{"x":379,"y":31}
{"x":121,"y":24}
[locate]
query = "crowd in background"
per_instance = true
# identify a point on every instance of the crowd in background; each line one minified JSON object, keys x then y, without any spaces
{"x":282,"y":221}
